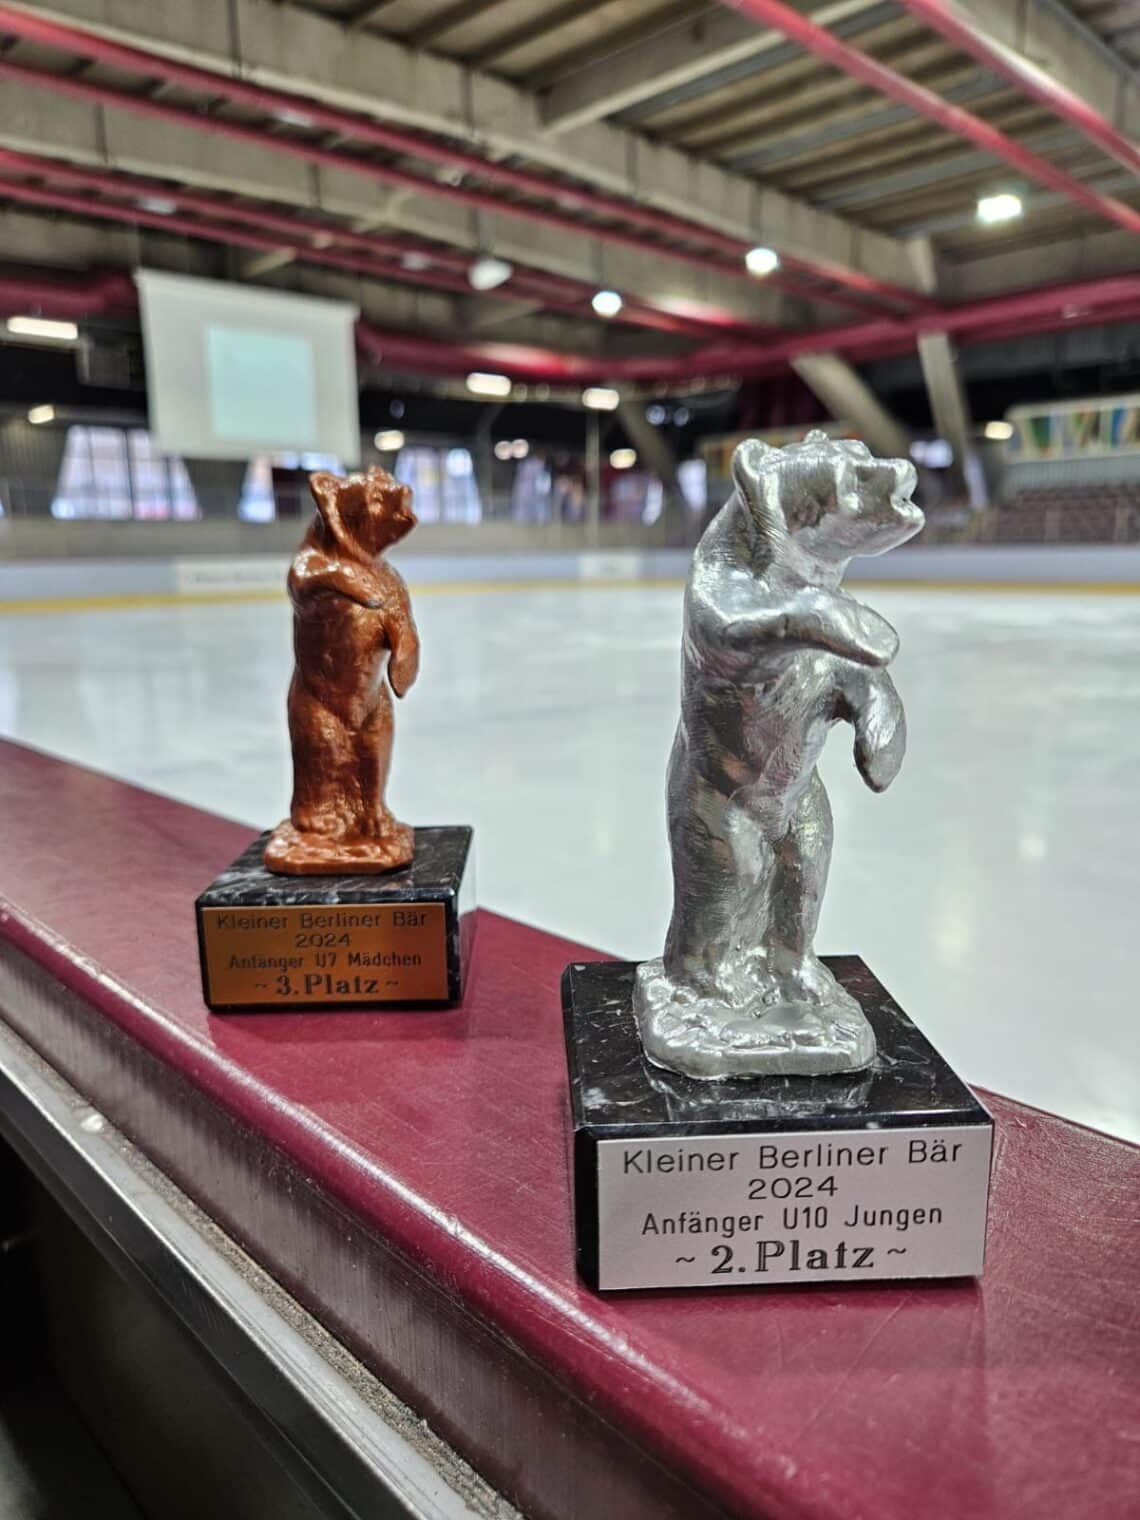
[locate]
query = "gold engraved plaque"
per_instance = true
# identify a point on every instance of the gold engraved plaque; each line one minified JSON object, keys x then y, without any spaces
{"x":321,"y":955}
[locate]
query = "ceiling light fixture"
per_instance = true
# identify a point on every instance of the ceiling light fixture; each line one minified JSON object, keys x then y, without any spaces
{"x":40,"y":414}
{"x":389,"y":441}
{"x":999,"y":208}
{"x":481,"y":384}
{"x":623,"y":459}
{"x":761,"y":261}
{"x":488,"y":273}
{"x":998,"y":431}
{"x":600,"y":398}
{"x":42,"y":327}
{"x":607,"y":303}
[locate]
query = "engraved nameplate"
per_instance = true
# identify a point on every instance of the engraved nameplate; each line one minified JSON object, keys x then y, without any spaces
{"x":320,"y":955}
{"x":731,"y":1210}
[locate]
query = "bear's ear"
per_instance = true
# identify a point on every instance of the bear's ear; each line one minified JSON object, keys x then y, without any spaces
{"x":326,"y":493}
{"x":759,"y":488}
{"x":817,"y":435}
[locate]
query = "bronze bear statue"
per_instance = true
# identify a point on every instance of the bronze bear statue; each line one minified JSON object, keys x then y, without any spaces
{"x":353,"y":638}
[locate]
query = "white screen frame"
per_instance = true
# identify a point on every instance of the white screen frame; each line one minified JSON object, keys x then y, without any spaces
{"x":178,"y":312}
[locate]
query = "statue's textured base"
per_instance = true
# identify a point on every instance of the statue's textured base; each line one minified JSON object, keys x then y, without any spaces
{"x":358,"y":937}
{"x":763,"y":1034}
{"x":683,"y":1183}
{"x":293,"y":853}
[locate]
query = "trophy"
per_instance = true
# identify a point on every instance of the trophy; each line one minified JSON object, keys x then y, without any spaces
{"x":341,"y":904}
{"x":744,"y":1110}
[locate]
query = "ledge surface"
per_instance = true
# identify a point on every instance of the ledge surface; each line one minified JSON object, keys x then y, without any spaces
{"x":445,"y":1134}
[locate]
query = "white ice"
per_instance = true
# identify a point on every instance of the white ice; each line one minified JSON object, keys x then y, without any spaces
{"x":995,"y":889}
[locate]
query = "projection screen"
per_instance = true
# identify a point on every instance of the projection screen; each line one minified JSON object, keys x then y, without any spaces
{"x":232,"y":371}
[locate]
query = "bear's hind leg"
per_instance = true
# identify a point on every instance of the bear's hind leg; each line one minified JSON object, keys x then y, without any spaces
{"x":323,"y":810}
{"x":803,"y":858}
{"x":393,"y":841}
{"x":721,"y":876}
{"x":322,"y":800}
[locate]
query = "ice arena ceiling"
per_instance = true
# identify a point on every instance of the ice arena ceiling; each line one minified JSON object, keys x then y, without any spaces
{"x":378,"y":149}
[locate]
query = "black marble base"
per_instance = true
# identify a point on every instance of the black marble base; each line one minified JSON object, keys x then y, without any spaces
{"x":616,"y":1094}
{"x":285,"y":943}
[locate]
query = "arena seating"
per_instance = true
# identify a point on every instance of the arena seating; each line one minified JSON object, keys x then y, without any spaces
{"x":1098,"y":513}
{"x":1071,"y":514}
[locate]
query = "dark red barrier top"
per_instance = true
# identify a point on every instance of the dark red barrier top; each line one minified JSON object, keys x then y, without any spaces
{"x":448,"y":1131}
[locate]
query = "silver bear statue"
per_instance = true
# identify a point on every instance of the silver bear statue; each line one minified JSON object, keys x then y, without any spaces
{"x":774,"y":653}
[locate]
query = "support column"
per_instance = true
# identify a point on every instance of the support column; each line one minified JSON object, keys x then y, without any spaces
{"x":653,"y":447}
{"x":217,"y":484}
{"x":484,"y":453}
{"x":849,"y":398}
{"x":950,"y":410}
{"x":30,"y":460}
{"x":593,"y":476}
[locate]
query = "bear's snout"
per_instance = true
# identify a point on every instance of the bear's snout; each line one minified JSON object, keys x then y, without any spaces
{"x":906,"y":477}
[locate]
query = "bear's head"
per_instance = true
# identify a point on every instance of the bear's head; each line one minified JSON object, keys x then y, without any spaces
{"x":826,"y":500}
{"x":363,"y":514}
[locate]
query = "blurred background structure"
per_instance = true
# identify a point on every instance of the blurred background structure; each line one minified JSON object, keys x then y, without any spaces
{"x":590,"y":245}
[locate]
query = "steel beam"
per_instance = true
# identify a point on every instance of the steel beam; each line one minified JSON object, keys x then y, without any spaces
{"x":1088,"y":257}
{"x":994,"y":32}
{"x":653,"y":449}
{"x":25,"y":232}
{"x":523,"y":284}
{"x":689,"y":50}
{"x":1068,"y":307}
{"x":307,"y":54}
{"x":481,"y":200}
{"x":949,"y":407}
{"x":1082,"y":304}
{"x":897,"y":183}
{"x":869,"y":71}
{"x":34,"y":122}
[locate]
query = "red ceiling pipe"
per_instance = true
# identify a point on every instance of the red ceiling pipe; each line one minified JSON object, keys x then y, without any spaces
{"x":394,"y":348}
{"x":304,"y":110}
{"x":137,"y":188}
{"x":85,"y":90}
{"x":92,"y":296}
{"x":990,"y":329}
{"x":550,"y":289}
{"x":693,"y":235}
{"x":962,"y":31}
{"x":1057,"y":305}
{"x":428,"y":356}
{"x":210,"y":232}
{"x":1081,"y":303}
{"x":870,"y":71}
{"x":1027,"y":327}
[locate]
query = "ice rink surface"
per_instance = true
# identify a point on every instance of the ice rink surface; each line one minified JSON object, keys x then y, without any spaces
{"x":995,"y":889}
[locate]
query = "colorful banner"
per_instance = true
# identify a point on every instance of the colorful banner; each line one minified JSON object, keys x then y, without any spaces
{"x":1075,"y":429}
